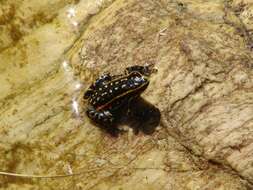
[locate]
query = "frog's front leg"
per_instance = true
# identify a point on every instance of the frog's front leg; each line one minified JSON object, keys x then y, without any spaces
{"x":100,"y":116}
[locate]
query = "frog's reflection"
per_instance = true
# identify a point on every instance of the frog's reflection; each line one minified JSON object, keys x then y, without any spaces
{"x":138,"y":114}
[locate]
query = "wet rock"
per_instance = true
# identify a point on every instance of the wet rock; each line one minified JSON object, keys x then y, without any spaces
{"x":203,"y":90}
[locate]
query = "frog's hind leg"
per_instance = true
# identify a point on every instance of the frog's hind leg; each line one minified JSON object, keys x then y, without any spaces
{"x":130,"y":102}
{"x":101,"y":117}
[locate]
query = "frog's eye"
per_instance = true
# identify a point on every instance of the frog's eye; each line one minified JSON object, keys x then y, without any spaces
{"x":138,"y":79}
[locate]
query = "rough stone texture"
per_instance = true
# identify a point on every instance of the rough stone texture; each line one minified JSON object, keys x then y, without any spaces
{"x":203,"y":89}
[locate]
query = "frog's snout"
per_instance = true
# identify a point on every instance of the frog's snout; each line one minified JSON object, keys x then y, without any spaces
{"x":149,"y":69}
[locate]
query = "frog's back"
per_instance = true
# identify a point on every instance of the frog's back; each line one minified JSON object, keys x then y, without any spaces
{"x":126,"y":86}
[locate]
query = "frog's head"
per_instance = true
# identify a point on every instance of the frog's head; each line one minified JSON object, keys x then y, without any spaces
{"x":145,"y":70}
{"x":149,"y":69}
{"x":137,"y":82}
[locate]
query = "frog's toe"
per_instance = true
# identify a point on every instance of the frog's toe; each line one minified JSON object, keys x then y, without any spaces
{"x":106,"y":120}
{"x":100,"y":116}
{"x":107,"y":113}
{"x":107,"y":116}
{"x":91,"y":114}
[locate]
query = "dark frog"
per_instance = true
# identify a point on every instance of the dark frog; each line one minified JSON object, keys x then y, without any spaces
{"x":109,"y":93}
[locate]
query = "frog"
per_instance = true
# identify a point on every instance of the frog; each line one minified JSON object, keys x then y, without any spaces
{"x":109,"y":93}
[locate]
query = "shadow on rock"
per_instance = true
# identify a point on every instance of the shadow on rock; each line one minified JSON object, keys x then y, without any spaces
{"x":139,"y":115}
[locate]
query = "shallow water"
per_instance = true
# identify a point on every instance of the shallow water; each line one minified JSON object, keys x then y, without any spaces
{"x":40,"y":100}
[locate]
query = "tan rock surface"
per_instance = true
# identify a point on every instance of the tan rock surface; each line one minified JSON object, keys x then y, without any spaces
{"x":203,"y":89}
